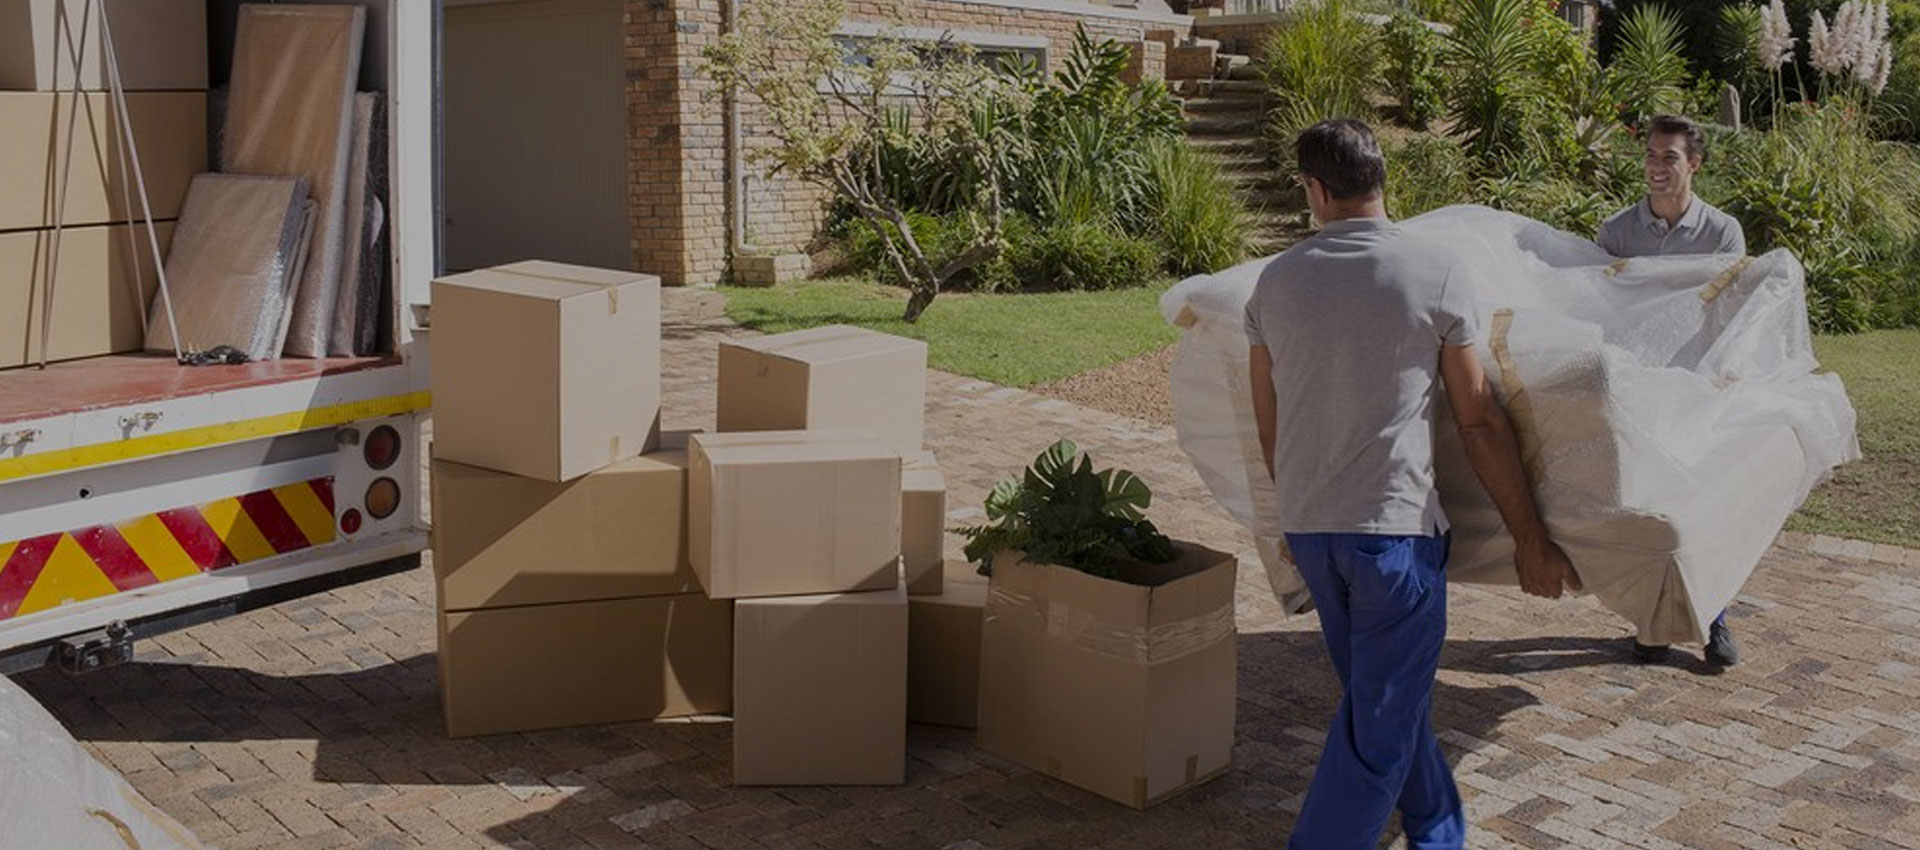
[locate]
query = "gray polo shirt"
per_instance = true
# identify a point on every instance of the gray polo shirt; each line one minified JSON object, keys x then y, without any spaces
{"x":1702,"y":229}
{"x":1354,"y":318}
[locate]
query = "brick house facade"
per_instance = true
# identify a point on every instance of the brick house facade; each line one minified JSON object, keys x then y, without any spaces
{"x":683,"y":222}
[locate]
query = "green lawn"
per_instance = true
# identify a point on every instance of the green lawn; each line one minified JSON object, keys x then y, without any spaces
{"x":1016,"y":340}
{"x":1878,"y":497}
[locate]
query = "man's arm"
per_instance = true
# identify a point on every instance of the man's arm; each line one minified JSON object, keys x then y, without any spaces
{"x":1260,"y":374}
{"x":1495,"y":455}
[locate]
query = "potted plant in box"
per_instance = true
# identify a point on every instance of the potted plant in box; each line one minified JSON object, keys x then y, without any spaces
{"x":1107,"y":650}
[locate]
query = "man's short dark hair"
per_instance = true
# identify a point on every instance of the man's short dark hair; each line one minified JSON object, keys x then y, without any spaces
{"x":1341,"y":153}
{"x":1675,"y":125}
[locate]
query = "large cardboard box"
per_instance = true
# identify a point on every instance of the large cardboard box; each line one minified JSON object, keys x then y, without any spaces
{"x":546,"y":370}
{"x":829,"y":377}
{"x":820,"y":689}
{"x":501,"y":539}
{"x":943,"y":651}
{"x":158,"y":44}
{"x":923,"y":526}
{"x":1124,"y":687}
{"x":777,"y":513}
{"x":170,"y":129}
{"x":582,"y":663}
{"x":103,"y":288}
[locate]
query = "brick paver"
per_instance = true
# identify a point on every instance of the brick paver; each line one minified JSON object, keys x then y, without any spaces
{"x":315,"y":724}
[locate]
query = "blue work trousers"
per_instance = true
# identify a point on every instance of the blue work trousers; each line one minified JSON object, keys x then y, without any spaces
{"x":1383,"y":609}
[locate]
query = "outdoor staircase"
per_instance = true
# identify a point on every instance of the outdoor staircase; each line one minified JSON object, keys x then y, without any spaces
{"x":1225,"y":115}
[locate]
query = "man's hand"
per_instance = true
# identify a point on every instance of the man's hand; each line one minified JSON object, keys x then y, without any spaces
{"x":1545,"y":569}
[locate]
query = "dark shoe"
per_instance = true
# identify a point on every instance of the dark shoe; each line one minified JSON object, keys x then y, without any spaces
{"x":1721,"y":650}
{"x":1649,"y":654}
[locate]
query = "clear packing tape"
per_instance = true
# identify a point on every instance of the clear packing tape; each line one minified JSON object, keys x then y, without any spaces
{"x":1670,"y":412}
{"x":1077,"y":628}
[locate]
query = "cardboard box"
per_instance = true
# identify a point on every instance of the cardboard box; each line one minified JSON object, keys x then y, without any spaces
{"x":158,"y":44}
{"x":99,"y":300}
{"x":170,"y":129}
{"x":501,"y":539}
{"x":546,"y":370}
{"x":829,"y":377}
{"x":820,"y":689}
{"x":943,"y":651}
{"x":582,"y":663}
{"x":1122,"y":687}
{"x":779,"y":513}
{"x":923,"y":526}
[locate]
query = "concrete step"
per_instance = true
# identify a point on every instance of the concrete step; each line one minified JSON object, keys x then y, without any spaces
{"x":1255,"y":104}
{"x":1239,"y":166}
{"x":1235,"y":148}
{"x":1239,"y":86}
{"x":1236,"y":67}
{"x":1225,"y":124}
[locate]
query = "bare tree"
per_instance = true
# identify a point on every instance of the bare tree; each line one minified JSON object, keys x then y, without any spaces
{"x":832,"y":104}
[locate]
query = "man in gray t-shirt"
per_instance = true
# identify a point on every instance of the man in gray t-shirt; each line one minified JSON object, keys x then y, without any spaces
{"x":1351,"y":334}
{"x":1672,"y":220}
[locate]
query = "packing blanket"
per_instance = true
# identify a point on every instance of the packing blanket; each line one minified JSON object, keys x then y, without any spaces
{"x":1669,"y":411}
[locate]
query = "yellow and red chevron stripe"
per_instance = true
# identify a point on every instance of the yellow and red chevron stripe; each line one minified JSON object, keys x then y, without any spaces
{"x":56,"y":569}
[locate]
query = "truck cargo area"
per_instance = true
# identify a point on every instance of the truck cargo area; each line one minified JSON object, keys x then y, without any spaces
{"x":97,"y":383}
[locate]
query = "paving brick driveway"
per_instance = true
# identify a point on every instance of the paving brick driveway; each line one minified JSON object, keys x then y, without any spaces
{"x":315,"y":723}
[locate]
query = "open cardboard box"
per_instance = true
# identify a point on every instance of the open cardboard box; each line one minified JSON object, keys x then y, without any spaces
{"x":1122,"y":686}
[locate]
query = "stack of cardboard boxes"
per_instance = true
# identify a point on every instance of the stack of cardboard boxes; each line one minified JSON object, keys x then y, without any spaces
{"x":565,"y":594}
{"x":63,"y":161}
{"x":586,"y":577}
{"x":831,"y":529}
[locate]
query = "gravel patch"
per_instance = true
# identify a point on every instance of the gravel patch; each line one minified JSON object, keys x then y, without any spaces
{"x":1136,"y":388}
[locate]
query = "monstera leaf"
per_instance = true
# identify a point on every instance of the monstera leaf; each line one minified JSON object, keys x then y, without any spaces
{"x":1061,"y":510}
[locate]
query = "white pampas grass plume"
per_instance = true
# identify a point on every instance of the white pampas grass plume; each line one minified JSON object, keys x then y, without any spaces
{"x":1882,"y":69}
{"x":1776,"y":36}
{"x":1820,"y":44}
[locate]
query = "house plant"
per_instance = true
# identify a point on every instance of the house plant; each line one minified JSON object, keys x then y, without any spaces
{"x":1107,"y":650}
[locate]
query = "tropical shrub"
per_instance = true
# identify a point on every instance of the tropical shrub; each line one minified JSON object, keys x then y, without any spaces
{"x":1085,"y":255}
{"x":1320,"y":61}
{"x":1412,"y":72}
{"x":1185,"y":215}
{"x":1648,"y":70}
{"x":1426,"y":173}
{"x":1492,"y":57}
{"x":1848,"y":205}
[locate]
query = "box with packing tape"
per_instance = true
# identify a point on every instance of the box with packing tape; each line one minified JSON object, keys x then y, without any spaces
{"x":778,"y":513}
{"x":829,"y":377}
{"x":820,"y":689}
{"x":502,"y":539}
{"x":1122,"y":686}
{"x":545,"y":370}
{"x":584,"y":663}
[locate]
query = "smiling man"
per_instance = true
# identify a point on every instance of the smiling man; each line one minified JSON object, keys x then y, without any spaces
{"x":1671,"y":220}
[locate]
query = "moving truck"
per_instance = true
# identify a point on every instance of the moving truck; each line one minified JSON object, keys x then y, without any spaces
{"x":138,"y":495}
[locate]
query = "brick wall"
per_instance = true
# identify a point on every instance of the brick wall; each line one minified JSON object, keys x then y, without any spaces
{"x":679,"y":183}
{"x":678,"y":186}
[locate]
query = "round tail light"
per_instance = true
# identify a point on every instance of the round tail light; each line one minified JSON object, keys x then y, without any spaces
{"x":382,"y":447}
{"x":383,"y":498}
{"x":350,"y":521}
